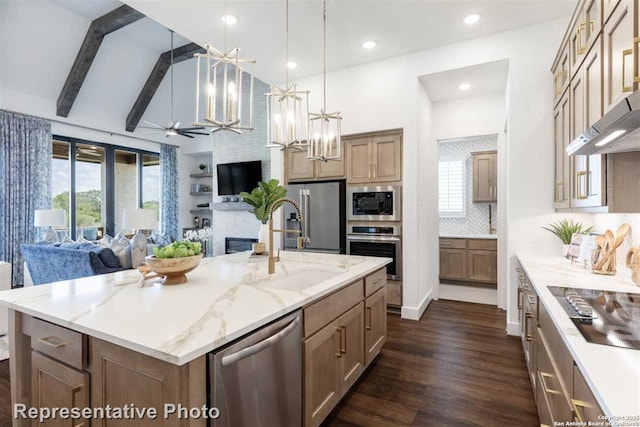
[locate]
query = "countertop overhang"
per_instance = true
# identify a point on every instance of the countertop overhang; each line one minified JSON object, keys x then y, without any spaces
{"x":225,"y":298}
{"x":613,"y":373}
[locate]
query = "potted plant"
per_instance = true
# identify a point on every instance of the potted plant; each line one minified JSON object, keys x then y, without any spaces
{"x":565,"y":229}
{"x":261,"y":199}
{"x":202,"y":167}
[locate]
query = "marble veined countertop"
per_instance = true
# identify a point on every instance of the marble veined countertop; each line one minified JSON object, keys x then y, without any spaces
{"x":225,"y":298}
{"x":468,"y":236}
{"x":613,"y":373}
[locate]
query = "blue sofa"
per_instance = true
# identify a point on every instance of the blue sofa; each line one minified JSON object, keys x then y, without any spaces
{"x":65,"y":261}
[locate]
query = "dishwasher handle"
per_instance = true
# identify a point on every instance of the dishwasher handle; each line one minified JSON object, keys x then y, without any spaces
{"x":258,"y":347}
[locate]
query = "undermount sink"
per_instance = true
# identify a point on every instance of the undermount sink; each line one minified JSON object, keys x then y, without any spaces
{"x":301,"y":279}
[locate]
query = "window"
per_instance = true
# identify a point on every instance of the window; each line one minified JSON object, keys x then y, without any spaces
{"x":451,"y":189}
{"x":96,"y":184}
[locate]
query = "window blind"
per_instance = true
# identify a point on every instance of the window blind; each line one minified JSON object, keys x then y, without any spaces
{"x":451,"y":188}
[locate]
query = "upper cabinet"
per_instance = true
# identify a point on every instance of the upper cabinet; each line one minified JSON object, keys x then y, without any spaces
{"x":374,"y":158}
{"x":485,"y":176}
{"x":619,"y":54}
{"x":299,"y":168}
{"x":562,"y":166}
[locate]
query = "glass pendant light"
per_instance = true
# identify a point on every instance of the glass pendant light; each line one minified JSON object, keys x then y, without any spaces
{"x":287,"y":109}
{"x":324,"y":128}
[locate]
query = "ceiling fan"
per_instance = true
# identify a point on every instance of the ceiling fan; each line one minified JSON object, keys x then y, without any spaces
{"x":173,"y":128}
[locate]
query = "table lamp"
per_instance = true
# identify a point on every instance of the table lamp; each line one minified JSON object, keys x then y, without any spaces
{"x":139,"y":219}
{"x":49,"y":218}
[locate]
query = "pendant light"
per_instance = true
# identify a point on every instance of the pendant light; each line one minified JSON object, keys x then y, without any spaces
{"x":287,"y":109}
{"x":324,"y":128}
{"x":222,"y":97}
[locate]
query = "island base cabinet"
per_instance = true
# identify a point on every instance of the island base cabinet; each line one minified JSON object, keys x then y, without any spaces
{"x":584,"y":405}
{"x":351,"y":346}
{"x":55,"y":385}
{"x":375,"y":321}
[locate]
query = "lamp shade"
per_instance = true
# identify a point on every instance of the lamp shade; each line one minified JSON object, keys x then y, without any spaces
{"x":49,"y":217}
{"x":140,"y":219}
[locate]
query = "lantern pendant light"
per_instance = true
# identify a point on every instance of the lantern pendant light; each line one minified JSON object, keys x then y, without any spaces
{"x":324,"y":128}
{"x":287,"y":109}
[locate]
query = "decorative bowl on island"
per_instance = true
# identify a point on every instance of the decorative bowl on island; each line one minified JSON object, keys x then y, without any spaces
{"x":174,"y":270}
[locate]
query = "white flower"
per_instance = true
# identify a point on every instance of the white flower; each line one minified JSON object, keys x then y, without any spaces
{"x":201,"y":234}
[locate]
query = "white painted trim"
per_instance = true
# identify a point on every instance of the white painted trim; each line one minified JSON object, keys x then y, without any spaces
{"x":513,"y":328}
{"x":415,"y":313}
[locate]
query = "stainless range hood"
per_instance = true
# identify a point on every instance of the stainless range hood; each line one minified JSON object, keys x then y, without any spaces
{"x":616,"y":132}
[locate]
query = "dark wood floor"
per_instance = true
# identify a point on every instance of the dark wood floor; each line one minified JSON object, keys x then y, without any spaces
{"x":455,"y":367}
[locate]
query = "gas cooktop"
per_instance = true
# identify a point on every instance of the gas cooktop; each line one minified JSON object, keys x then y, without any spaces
{"x":603,"y":317}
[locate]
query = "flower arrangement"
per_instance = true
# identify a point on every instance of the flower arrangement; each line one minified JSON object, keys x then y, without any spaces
{"x":201,"y":234}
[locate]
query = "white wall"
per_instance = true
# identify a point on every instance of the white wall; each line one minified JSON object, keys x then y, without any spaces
{"x":472,"y":116}
{"x":384,"y":95}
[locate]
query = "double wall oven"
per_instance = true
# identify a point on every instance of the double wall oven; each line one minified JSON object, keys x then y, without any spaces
{"x":374,"y":215}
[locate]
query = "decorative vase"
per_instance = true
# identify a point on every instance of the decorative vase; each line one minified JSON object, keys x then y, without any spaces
{"x":565,"y":250}
{"x":263,"y":235}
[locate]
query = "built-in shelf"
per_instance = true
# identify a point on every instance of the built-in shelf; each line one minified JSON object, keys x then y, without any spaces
{"x":200,"y":211}
{"x":230,"y":206}
{"x":201,"y":193}
{"x":201,"y":175}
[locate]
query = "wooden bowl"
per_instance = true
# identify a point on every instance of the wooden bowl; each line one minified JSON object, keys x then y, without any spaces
{"x":174,"y":270}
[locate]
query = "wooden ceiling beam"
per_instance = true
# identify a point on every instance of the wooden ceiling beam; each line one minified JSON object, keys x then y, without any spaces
{"x":150,"y":87}
{"x":100,"y":27}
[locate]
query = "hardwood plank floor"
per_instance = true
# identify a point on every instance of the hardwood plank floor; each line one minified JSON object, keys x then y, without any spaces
{"x":455,"y":367}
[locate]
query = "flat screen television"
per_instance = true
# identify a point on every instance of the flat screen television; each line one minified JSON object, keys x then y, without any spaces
{"x":233,"y":178}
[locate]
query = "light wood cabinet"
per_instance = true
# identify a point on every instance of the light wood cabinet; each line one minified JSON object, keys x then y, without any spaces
{"x":618,"y":35}
{"x":482,"y":266}
{"x":560,"y":72}
{"x":584,"y":404}
{"x":352,"y":346}
{"x":299,"y":168}
{"x":577,"y":42}
{"x":375,"y":318}
{"x":374,"y":158}
{"x":562,"y":138}
{"x":608,"y":6}
{"x":473,"y":261}
{"x":485,"y":185}
{"x":55,"y":385}
{"x":330,"y":168}
{"x":453,"y":264}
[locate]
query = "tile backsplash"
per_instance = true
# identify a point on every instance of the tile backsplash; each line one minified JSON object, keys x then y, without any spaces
{"x":603,"y":222}
{"x":477,"y":214}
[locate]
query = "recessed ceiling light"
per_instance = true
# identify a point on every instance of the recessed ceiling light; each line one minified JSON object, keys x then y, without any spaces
{"x":471,"y":19}
{"x":292,"y":64}
{"x":369,"y":44}
{"x":464,"y":86}
{"x":229,"y":19}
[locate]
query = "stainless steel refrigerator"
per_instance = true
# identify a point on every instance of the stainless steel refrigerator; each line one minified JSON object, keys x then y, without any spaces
{"x":323,"y":213}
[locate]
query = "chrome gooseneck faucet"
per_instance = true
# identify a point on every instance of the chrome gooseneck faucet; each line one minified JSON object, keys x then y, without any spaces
{"x":274,"y":207}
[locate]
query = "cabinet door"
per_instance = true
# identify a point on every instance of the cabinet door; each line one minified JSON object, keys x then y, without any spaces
{"x":331,"y":168}
{"x":577,"y":43}
{"x":359,"y":160}
{"x":579,"y":191}
{"x":351,"y":326}
{"x":592,"y":13}
{"x":482,"y":266}
{"x":584,"y":404}
{"x":387,"y":161}
{"x":453,"y":264}
{"x":321,"y":373}
{"x":484,"y":177}
{"x":618,"y":54}
{"x":54,"y":384}
{"x":375,"y":329}
{"x":298,"y":167}
{"x":561,"y":73}
{"x":562,"y":166}
{"x":607,"y":9}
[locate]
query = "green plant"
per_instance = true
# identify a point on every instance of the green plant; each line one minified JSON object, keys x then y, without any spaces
{"x":178,"y":250}
{"x":565,"y":228}
{"x":202,"y":166}
{"x":263,"y":196}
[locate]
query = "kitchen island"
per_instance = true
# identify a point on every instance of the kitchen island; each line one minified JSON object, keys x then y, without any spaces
{"x":147,"y":345}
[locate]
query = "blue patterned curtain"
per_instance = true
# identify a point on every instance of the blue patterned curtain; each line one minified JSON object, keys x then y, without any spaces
{"x":169,"y":191}
{"x":25,"y":183}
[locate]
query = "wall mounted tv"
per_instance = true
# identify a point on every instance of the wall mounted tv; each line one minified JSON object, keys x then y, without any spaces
{"x":233,"y":178}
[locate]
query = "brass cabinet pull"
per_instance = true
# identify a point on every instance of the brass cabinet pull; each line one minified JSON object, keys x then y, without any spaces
{"x":519,"y":299}
{"x":559,"y":82}
{"x":559,"y":186}
{"x":47,"y":341}
{"x":543,"y":380}
{"x":625,"y":53}
{"x":369,"y":176}
{"x":527,"y":316}
{"x":374,"y":169}
{"x":636,"y":78}
{"x":339,"y":352}
{"x":579,"y":48}
{"x":579,"y":404}
{"x":369,"y":323}
{"x":529,"y":298}
{"x":343,"y":335}
{"x":579,"y":194}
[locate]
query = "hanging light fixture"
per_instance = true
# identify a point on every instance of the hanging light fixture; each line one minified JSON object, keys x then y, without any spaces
{"x":222,"y":97}
{"x":287,"y":109}
{"x":324,"y":128}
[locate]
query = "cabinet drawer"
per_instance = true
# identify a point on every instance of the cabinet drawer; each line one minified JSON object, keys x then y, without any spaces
{"x":562,"y":359}
{"x":584,"y":404}
{"x":453,"y":243}
{"x":394,"y":293}
{"x":327,"y":309}
{"x":375,"y":281}
{"x":60,"y":343}
{"x":549,"y":384}
{"x":483,"y":244}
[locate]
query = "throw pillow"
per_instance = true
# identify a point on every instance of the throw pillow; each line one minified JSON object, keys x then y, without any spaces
{"x":67,"y":240}
{"x":122,"y":249}
{"x":108,"y":257}
{"x":106,"y":241}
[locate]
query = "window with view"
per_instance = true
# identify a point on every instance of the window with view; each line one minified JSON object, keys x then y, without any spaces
{"x":451,"y":194}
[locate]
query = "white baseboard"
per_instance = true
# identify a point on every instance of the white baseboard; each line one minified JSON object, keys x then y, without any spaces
{"x":513,"y":328}
{"x":415,"y":313}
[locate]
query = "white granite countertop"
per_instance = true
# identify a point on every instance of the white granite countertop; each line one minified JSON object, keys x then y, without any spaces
{"x":613,"y":373}
{"x":469,"y":236}
{"x":225,"y":298}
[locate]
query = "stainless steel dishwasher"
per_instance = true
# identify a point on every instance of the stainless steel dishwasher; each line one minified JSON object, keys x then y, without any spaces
{"x":257,"y":381}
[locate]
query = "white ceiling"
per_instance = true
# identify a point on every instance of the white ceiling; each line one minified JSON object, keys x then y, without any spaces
{"x":485,"y":79}
{"x":398,"y":27}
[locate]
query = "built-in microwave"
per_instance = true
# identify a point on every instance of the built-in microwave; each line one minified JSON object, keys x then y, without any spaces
{"x":379,"y":203}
